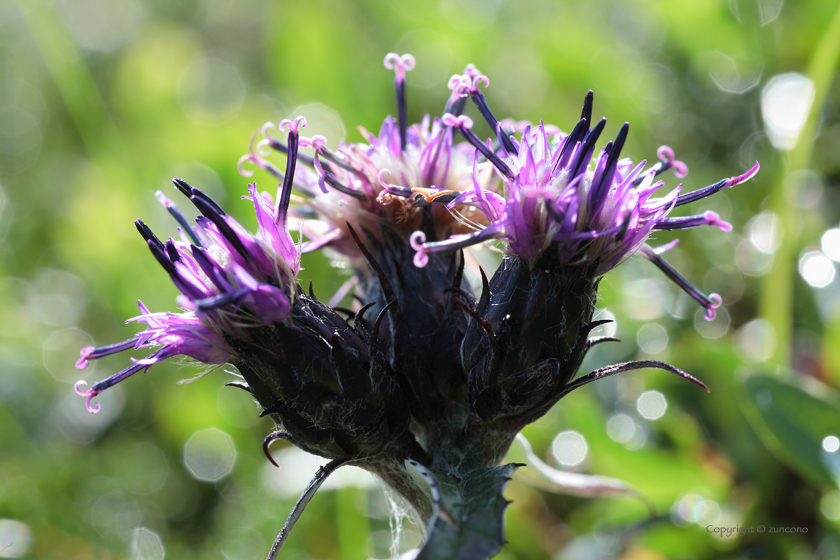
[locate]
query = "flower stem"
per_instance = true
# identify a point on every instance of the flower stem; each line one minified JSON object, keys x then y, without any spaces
{"x":469,"y":515}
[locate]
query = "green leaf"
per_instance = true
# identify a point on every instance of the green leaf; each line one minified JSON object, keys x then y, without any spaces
{"x":793,"y":424}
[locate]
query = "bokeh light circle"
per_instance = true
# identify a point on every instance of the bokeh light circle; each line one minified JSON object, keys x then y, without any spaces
{"x":652,"y":338}
{"x":830,"y":244}
{"x":209,"y":454}
{"x":785,"y":104}
{"x":15,"y":538}
{"x":756,"y":340}
{"x":817,"y":269}
{"x":621,"y":428}
{"x":146,"y":545}
{"x":570,"y":448}
{"x":652,"y":405}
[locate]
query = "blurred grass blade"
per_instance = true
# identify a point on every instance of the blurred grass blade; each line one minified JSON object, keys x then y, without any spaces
{"x":776,"y":303}
{"x":72,"y":77}
{"x":794,"y":425}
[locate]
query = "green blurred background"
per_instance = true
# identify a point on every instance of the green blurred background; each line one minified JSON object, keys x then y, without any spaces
{"x":102,"y":102}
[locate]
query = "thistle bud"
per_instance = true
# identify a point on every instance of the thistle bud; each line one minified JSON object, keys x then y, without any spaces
{"x":326,"y":383}
{"x":526,"y":338}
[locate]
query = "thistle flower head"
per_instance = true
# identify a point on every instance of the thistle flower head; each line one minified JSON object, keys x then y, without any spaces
{"x":385,"y":182}
{"x":419,"y":348}
{"x":229,"y":281}
{"x":411,"y":193}
{"x":592,"y":211}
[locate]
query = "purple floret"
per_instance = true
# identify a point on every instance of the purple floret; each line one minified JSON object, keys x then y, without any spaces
{"x":556,"y":198}
{"x":229,"y":280}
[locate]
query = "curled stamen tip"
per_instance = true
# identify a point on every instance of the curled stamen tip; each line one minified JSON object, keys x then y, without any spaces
{"x":471,"y":71}
{"x":454,"y":82}
{"x":287,"y":125}
{"x":416,"y":241}
{"x":262,"y":147}
{"x":463,"y":89}
{"x":266,"y":127}
{"x":81,"y":390}
{"x":399,"y":64}
{"x":93,"y":409}
{"x":382,"y":172}
{"x":247,"y":158}
{"x":461,"y":121}
{"x":481,"y":78}
{"x":382,"y":182}
{"x":710,"y":313}
{"x":665,"y":153}
{"x":318,"y":141}
{"x":82,"y":363}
